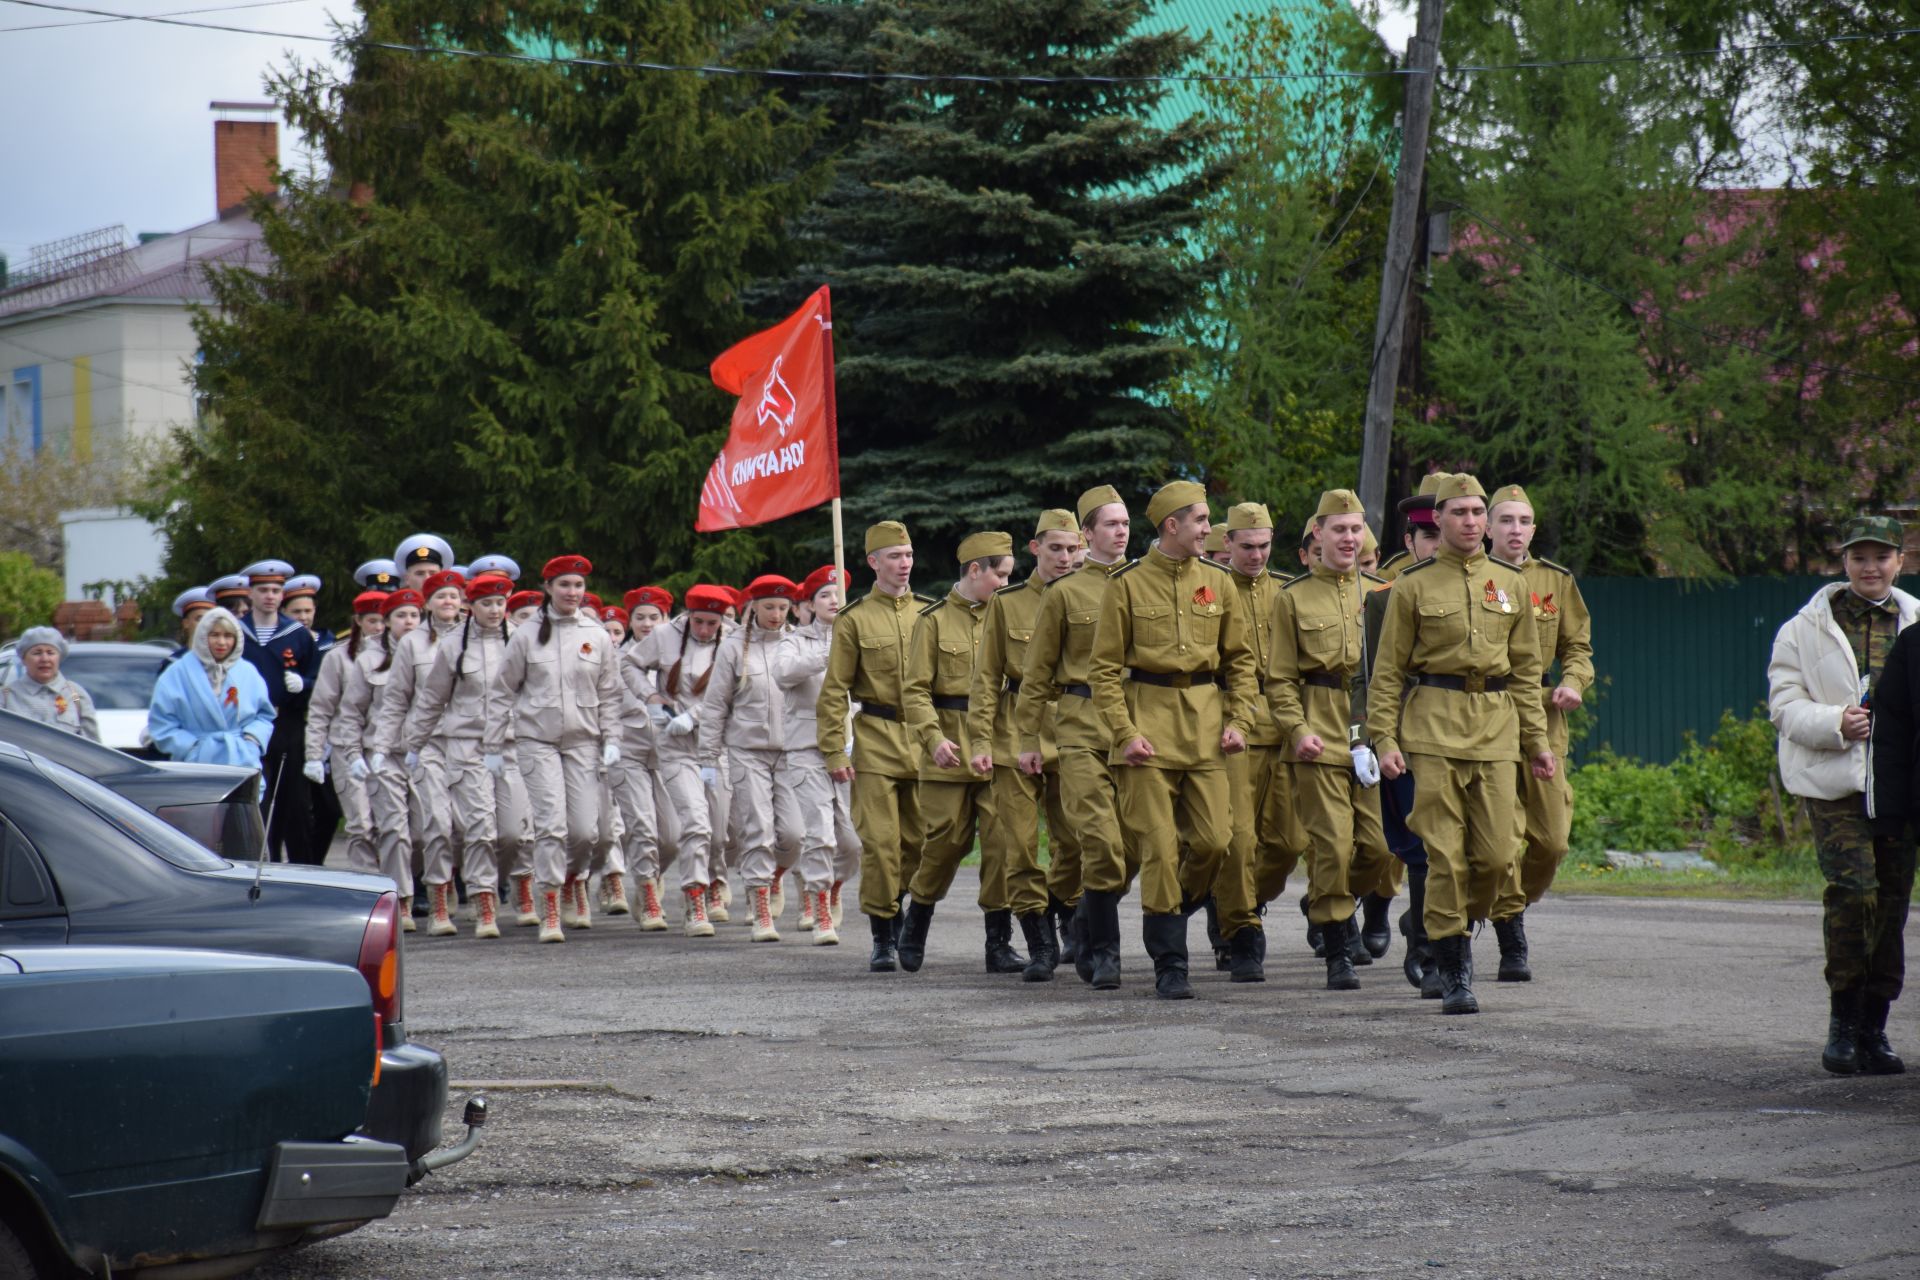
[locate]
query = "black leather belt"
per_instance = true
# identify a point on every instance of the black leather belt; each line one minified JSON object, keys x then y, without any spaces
{"x":1324,"y":680}
{"x":949,"y":702}
{"x":1465,"y":684}
{"x":1078,"y":690}
{"x":879,"y":712}
{"x":1013,"y":684}
{"x":1172,"y":680}
{"x":1546,"y":680}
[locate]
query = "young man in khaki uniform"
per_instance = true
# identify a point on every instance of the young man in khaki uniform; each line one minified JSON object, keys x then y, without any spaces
{"x":867,"y":664}
{"x":1172,"y":675}
{"x":1457,"y":628}
{"x":1315,"y":662}
{"x":955,"y":803}
{"x":1057,"y":661}
{"x":1566,"y":636}
{"x":997,"y":672}
{"x":1262,"y":807}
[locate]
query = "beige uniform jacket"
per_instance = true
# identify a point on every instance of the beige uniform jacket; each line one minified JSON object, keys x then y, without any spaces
{"x":564,"y":692}
{"x":1458,"y":616}
{"x":637,"y":734}
{"x":1318,"y":633}
{"x":1175,"y":620}
{"x":1056,"y":665}
{"x":939,"y":677}
{"x":867,"y":664}
{"x":447,"y":708}
{"x":361,"y":688}
{"x":745,"y":714}
{"x":1564,"y":625}
{"x":411,"y":663}
{"x":324,"y":705}
{"x":799,"y":668}
{"x":670,"y":643}
{"x":1256,"y":606}
{"x":999,"y":669}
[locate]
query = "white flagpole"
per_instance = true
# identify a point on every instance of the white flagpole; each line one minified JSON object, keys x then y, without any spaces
{"x":840,"y":556}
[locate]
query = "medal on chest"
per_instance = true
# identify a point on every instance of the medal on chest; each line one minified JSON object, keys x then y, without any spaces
{"x":1497,"y":595}
{"x":59,"y":704}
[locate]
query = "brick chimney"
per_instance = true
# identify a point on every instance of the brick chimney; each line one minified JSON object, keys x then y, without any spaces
{"x":244,"y":154}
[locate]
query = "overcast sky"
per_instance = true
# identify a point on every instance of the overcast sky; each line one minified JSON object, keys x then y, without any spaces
{"x":107,"y":123}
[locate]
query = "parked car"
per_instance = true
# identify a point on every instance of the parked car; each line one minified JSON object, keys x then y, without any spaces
{"x":182,"y":1111}
{"x":118,"y":677}
{"x":82,"y":865}
{"x":216,"y":804}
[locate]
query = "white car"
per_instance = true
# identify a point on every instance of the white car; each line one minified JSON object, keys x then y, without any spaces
{"x":118,"y":677}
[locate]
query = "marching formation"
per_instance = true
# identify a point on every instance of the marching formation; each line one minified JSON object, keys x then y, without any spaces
{"x":1194,"y":722}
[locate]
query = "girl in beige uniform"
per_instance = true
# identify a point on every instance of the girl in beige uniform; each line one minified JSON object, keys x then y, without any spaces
{"x":804,"y":793}
{"x":609,"y":844}
{"x":450,"y":711}
{"x":633,"y":788}
{"x":353,"y":739}
{"x":560,"y":686}
{"x":681,"y":656}
{"x":323,"y":709}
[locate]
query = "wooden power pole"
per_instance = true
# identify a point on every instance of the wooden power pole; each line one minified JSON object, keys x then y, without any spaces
{"x":1396,"y":276}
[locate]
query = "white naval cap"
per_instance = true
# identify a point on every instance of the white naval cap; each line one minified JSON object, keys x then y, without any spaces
{"x":378,"y":575}
{"x":423,"y":548}
{"x":266,"y":571}
{"x":501,"y":565}
{"x":303,"y":584}
{"x":230,"y":584}
{"x":192,"y":598}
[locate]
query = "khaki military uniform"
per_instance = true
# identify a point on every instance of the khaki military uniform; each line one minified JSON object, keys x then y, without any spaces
{"x":1013,"y":840}
{"x":1265,"y":827}
{"x":1055,"y":709}
{"x":1565,"y":629}
{"x":867,"y":664}
{"x":1315,"y":664}
{"x":1171,"y":664}
{"x":1459,"y":629}
{"x":955,"y":802}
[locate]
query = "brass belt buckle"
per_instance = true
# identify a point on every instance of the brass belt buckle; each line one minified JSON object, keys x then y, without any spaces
{"x":1475,"y":682}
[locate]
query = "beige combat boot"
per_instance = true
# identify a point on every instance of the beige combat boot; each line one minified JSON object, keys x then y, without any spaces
{"x":523,"y":904}
{"x":485,"y":922}
{"x":652,"y":918}
{"x":824,"y":934}
{"x":806,"y":907}
{"x":777,"y":900}
{"x":440,"y":922}
{"x":698,"y":926}
{"x":762,"y":904}
{"x":550,"y":915}
{"x":833,"y":896}
{"x":582,"y":908}
{"x":613,"y":888}
{"x":718,"y":896}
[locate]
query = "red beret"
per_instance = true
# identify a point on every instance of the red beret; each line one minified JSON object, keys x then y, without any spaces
{"x":659,"y":597}
{"x":561,"y":565}
{"x":440,"y":581}
{"x":770,"y":586}
{"x":489,"y":584}
{"x":820,"y":578}
{"x":593,"y":602}
{"x":613,"y":613}
{"x":525,"y":600}
{"x":401,"y":599}
{"x":739,"y":596}
{"x":366,"y":602}
{"x":709,"y":599}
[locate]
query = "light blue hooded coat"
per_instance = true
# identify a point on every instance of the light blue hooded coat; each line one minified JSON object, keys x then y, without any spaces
{"x":204,"y":711}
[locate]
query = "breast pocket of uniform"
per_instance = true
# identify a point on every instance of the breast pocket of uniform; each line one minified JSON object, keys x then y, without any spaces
{"x":879,"y":655}
{"x":1443,"y":623}
{"x":1320,"y":636}
{"x":1496,"y":620}
{"x":1017,"y":642}
{"x":1547,"y":625}
{"x":543,"y":678}
{"x":956,"y":661}
{"x":1080,"y":626}
{"x":1206,"y":624}
{"x":1152,"y":625}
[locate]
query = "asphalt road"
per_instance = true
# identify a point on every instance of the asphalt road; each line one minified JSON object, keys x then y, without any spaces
{"x":1651,"y":1105}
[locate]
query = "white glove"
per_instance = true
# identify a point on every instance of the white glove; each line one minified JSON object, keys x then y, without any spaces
{"x":315,"y":772}
{"x":1366,"y":766}
{"x":326,"y":752}
{"x":293,"y":682}
{"x":378,"y":763}
{"x":610,"y":755}
{"x":659,"y":714}
{"x":496,"y":765}
{"x":358,"y":770}
{"x":709,"y":777}
{"x":681,"y":725}
{"x":413,"y":762}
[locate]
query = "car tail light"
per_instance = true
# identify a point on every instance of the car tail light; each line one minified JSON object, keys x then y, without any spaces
{"x":379,"y":961}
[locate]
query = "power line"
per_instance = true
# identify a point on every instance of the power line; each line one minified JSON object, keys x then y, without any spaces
{"x":177,"y":13}
{"x":788,"y":73}
{"x":1643,"y":311}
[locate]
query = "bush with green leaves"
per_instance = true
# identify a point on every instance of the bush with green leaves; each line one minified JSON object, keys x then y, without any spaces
{"x":28,"y":593}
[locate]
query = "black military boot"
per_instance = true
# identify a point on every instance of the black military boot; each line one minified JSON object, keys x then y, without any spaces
{"x":900,"y":918}
{"x":1166,"y":939}
{"x":1877,"y":1057}
{"x":1357,"y":953}
{"x":1513,"y":950}
{"x":1247,"y":954}
{"x":1001,"y":957}
{"x":913,"y":935}
{"x":1063,"y":918}
{"x":1413,"y":927}
{"x":885,"y":956}
{"x":1842,"y":1054}
{"x":1314,"y":941}
{"x":1340,"y":974}
{"x":1222,"y":954}
{"x":1101,"y":931}
{"x":1080,"y":928}
{"x":1453,"y":958}
{"x":1042,"y":950}
{"x":1374,"y":930}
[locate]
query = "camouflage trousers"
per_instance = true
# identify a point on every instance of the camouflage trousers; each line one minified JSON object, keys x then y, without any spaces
{"x":1869,"y":882}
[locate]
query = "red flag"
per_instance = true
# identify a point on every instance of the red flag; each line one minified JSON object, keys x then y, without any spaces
{"x":783,"y":454}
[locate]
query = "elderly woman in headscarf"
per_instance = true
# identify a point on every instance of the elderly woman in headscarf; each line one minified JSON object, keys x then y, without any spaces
{"x":212,"y":706}
{"x":41,"y":693}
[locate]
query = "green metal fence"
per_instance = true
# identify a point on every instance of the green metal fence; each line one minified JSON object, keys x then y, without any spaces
{"x":1672,"y":655}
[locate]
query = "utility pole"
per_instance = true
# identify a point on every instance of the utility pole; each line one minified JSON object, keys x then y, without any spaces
{"x":1396,"y":276}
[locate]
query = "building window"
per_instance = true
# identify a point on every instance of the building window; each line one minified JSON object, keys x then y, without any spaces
{"x":23,"y":411}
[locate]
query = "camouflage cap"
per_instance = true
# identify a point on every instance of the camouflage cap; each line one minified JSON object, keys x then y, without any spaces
{"x":1055,"y":520}
{"x":1092,"y":500}
{"x":1174,"y":496}
{"x":1509,"y":493}
{"x":985,"y":546}
{"x":1248,"y":515}
{"x":1458,"y":485}
{"x":1339,"y":502}
{"x":1884,"y":530}
{"x":888,"y":533}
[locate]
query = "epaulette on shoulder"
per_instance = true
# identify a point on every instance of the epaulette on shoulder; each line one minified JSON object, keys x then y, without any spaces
{"x":1126,"y":568}
{"x":852,"y":605}
{"x":1397,"y":557}
{"x":1211,"y":564}
{"x":1416,"y":566}
{"x":1012,"y":587}
{"x":1505,"y":563}
{"x":1557,"y":568}
{"x":925,"y":599}
{"x":932,"y":608}
{"x":1374,"y":577}
{"x":1289,"y":584}
{"x":1284,"y":577}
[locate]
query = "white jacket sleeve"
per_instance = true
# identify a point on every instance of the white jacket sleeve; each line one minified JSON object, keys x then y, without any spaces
{"x":1791,"y":705}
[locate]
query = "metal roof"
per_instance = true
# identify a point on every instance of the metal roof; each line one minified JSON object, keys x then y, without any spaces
{"x":171,"y":268}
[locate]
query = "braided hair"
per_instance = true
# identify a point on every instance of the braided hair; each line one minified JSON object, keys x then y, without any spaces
{"x":673,"y":672}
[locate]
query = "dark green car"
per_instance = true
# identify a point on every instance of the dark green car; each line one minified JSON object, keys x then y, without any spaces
{"x":186,"y":1111}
